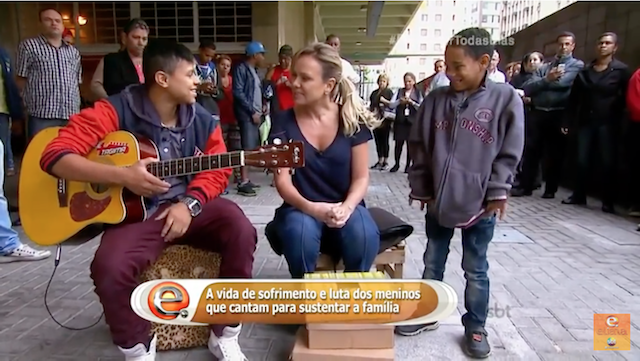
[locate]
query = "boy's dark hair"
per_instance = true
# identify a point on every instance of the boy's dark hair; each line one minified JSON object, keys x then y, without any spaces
{"x":475,"y":41}
{"x":207,"y":44}
{"x":613,"y":35}
{"x":566,"y":34}
{"x":135,"y":23}
{"x":163,"y":55}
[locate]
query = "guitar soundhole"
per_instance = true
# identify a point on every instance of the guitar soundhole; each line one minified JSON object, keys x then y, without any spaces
{"x":99,"y":188}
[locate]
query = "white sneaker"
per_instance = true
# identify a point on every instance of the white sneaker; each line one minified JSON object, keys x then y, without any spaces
{"x":24,"y":253}
{"x":139,"y":352}
{"x":226,"y":347}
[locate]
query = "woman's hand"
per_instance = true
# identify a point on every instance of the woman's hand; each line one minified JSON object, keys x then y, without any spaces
{"x":339,"y":216}
{"x":322,"y":211}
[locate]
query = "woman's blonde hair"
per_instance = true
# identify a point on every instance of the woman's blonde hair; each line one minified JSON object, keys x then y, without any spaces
{"x":384,"y":77}
{"x":352,"y":109}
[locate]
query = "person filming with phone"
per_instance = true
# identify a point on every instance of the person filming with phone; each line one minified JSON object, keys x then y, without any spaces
{"x":549,"y":90}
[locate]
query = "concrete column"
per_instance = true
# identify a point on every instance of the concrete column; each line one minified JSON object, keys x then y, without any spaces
{"x":265,"y":25}
{"x":287,"y":22}
{"x":293,"y":23}
{"x":310,"y":23}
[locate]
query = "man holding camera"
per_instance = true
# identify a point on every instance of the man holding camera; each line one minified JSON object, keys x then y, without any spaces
{"x":549,"y":91}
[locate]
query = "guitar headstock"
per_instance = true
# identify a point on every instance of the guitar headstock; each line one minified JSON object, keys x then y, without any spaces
{"x":286,"y":155}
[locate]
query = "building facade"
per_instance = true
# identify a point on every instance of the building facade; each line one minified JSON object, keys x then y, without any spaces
{"x":519,"y":14}
{"x":435,"y":22}
{"x":484,"y":14}
{"x":424,"y":40}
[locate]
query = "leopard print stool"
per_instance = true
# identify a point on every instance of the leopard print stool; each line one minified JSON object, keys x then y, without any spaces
{"x":182,"y":262}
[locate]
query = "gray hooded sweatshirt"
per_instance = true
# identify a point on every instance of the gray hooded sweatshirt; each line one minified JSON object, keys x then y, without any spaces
{"x":465,"y":150}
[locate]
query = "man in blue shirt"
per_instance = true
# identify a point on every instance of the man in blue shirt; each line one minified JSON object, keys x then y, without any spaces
{"x":248,"y":107}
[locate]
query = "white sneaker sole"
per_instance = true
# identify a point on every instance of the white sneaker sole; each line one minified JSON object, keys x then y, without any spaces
{"x":11,"y":259}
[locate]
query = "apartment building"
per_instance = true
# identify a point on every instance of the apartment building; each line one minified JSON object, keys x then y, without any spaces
{"x":424,"y":40}
{"x":484,"y":14}
{"x":518,"y":14}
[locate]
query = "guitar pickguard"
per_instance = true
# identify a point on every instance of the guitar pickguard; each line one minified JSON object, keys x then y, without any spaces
{"x":83,"y":207}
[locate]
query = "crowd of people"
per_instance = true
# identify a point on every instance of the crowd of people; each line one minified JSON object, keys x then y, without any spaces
{"x":463,"y":127}
{"x":562,"y":97}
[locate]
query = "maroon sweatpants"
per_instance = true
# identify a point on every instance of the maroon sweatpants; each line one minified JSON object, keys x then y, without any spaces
{"x":127,"y":250}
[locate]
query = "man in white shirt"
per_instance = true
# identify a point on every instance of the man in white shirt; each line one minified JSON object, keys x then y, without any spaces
{"x":494,"y":74}
{"x":347,"y":69}
{"x":439,"y":79}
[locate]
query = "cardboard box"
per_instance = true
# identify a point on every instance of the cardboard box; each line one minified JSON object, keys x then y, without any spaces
{"x":301,"y":352}
{"x":324,"y":336}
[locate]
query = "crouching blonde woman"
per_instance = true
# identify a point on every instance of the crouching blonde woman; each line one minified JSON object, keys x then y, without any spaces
{"x":323,"y":205}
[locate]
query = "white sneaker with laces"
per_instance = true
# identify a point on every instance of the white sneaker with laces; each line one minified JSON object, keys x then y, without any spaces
{"x":226,"y":347}
{"x":139,"y":352}
{"x":24,"y":253}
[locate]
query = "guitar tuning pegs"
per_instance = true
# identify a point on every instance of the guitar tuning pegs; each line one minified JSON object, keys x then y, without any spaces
{"x":292,"y":171}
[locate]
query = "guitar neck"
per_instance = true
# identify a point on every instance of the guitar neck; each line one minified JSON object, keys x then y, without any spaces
{"x":194,"y":165}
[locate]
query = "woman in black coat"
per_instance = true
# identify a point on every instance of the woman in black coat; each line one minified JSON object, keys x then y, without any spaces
{"x":378,"y":105}
{"x":406,"y":103}
{"x":530,"y":63}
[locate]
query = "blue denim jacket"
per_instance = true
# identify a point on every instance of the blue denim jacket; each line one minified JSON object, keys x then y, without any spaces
{"x":12,"y":94}
{"x":243,"y":87}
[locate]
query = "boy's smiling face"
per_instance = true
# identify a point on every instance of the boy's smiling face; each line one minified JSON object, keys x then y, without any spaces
{"x":463,"y":70}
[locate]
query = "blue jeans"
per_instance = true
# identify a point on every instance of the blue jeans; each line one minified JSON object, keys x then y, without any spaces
{"x":9,"y":240}
{"x":5,"y":137}
{"x":249,"y":134}
{"x":301,"y":235}
{"x":35,"y":125}
{"x":475,"y":242}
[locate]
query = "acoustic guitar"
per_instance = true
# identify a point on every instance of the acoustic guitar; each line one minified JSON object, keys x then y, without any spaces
{"x":53,"y":210}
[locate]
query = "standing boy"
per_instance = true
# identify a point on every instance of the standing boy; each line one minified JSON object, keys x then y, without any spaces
{"x":466,"y":143}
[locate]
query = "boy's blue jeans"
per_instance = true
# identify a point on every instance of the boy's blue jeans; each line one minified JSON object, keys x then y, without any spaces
{"x":475,"y":242}
{"x":9,"y":240}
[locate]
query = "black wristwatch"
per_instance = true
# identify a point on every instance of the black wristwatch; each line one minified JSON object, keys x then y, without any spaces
{"x":194,"y":205}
